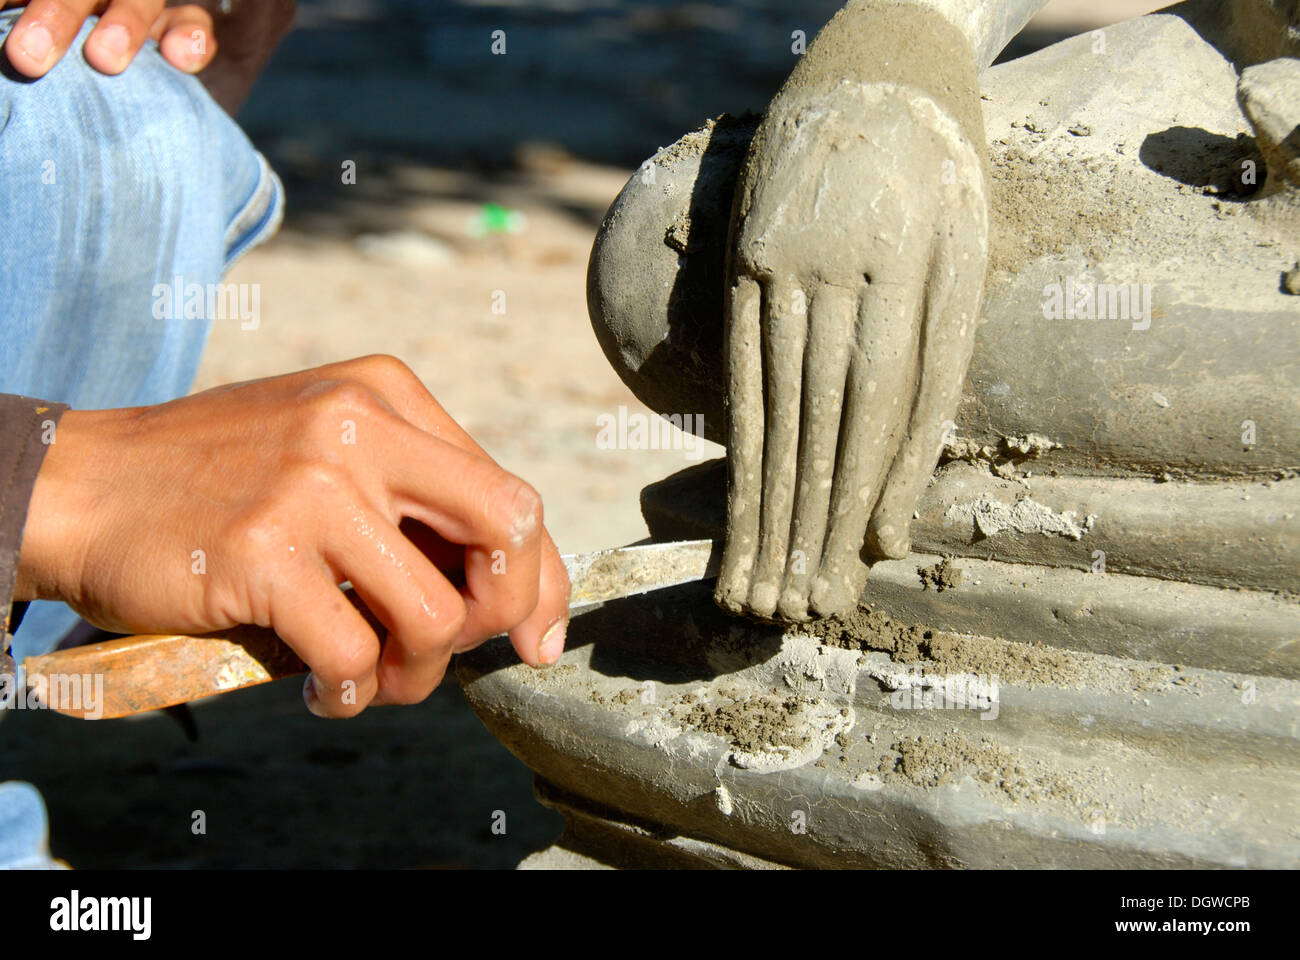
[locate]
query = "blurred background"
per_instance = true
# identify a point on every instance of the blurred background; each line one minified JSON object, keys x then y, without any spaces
{"x":476,"y":175}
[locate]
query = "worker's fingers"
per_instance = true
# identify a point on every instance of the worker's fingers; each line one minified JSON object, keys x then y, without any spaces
{"x":539,"y":640}
{"x":784,"y":333}
{"x":469,"y":500}
{"x":832,"y":316}
{"x":422,"y":611}
{"x":492,"y":572}
{"x":44,"y":32}
{"x":503,"y":576}
{"x":877,"y":398}
{"x":955,"y":284}
{"x":744,"y":442}
{"x":513,"y":581}
{"x":122,"y":30}
{"x":442,"y":553}
{"x":185,"y":37}
{"x":311,"y":614}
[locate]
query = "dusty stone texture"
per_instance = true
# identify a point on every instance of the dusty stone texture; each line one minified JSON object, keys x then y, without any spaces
{"x":1197,"y":598}
{"x":769,"y":731}
{"x":1239,"y":534}
{"x":1153,"y":197}
{"x":1090,"y":761}
{"x":944,"y":653}
{"x":929,"y":761}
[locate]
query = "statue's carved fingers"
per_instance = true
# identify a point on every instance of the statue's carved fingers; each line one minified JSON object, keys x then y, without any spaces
{"x":951,"y":307}
{"x":745,"y":419}
{"x":785,"y":333}
{"x":832,"y":317}
{"x":882,"y":376}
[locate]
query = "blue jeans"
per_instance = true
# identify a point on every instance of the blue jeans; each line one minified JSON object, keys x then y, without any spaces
{"x":114,"y":189}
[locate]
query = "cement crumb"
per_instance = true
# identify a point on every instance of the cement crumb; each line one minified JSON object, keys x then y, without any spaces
{"x":678,"y":235}
{"x":1291,"y":280}
{"x":940,"y":576}
{"x":622,"y":698}
{"x":731,"y":131}
{"x":1004,"y":459}
{"x":722,"y":797}
{"x":1029,"y":447}
{"x":989,"y":517}
{"x":934,"y":761}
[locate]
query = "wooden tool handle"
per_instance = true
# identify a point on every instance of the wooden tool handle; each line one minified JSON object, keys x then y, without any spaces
{"x":135,"y":674}
{"x":152,"y":671}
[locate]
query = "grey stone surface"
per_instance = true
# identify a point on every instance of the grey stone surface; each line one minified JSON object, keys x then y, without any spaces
{"x":1140,"y":722}
{"x":1126,"y":768}
{"x":1235,"y":534}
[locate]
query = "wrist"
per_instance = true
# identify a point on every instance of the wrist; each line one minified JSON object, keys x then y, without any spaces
{"x":988,"y":25}
{"x":60,"y":514}
{"x":906,"y":44}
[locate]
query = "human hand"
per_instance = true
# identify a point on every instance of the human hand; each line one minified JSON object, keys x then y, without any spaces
{"x":47,"y":28}
{"x":858,"y":253}
{"x":251,"y":503}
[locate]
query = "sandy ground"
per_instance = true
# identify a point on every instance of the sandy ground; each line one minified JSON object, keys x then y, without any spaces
{"x":390,"y":264}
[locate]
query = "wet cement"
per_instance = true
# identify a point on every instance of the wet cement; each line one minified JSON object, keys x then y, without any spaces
{"x":944,"y":575}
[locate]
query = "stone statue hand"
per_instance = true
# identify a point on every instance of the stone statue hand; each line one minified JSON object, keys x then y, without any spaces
{"x":859,"y":243}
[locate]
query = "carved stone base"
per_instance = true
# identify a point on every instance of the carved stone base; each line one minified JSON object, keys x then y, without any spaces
{"x":1136,"y":722}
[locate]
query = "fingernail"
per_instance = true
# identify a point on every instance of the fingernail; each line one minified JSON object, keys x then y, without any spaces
{"x":115,"y":39}
{"x":37,"y":42}
{"x":552,"y":645}
{"x":310,"y":698}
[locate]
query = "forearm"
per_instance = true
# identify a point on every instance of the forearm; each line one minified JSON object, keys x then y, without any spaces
{"x":1256,"y":31}
{"x":988,"y":25}
{"x":909,"y":43}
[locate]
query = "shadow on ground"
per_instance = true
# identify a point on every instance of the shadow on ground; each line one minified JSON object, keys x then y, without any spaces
{"x":415,"y":787}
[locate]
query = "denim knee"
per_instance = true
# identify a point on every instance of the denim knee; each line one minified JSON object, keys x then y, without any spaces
{"x":113,"y":187}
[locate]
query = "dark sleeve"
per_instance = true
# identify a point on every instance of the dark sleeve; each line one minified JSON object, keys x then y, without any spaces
{"x":25,"y":426}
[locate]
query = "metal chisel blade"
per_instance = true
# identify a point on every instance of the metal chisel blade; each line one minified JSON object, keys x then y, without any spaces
{"x":641,"y":568}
